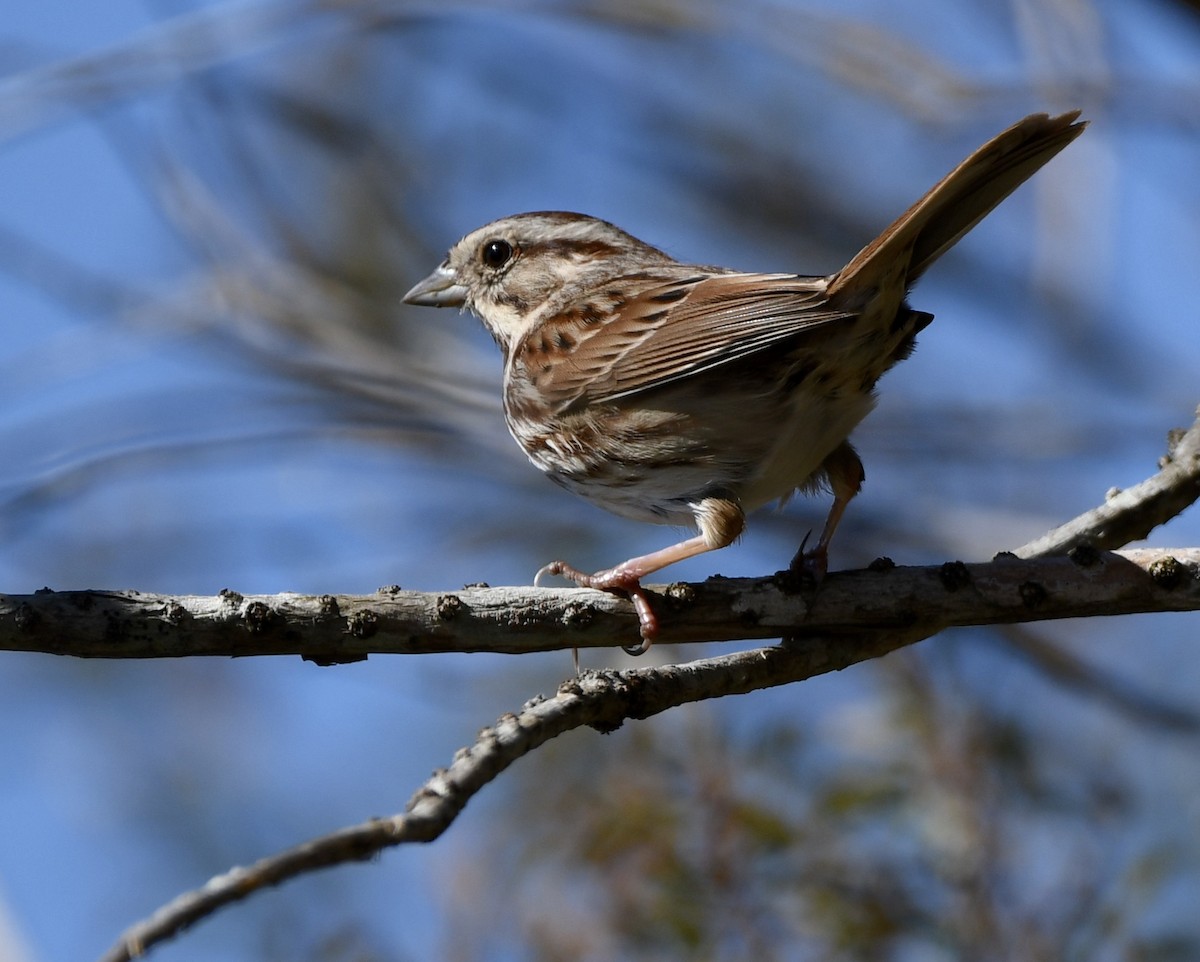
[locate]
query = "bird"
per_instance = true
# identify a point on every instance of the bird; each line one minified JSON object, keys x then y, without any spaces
{"x":689,"y":394}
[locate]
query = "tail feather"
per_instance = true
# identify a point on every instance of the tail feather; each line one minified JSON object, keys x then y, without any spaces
{"x":958,"y":202}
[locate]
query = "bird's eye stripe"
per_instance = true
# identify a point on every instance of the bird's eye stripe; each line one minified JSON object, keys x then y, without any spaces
{"x":576,"y":248}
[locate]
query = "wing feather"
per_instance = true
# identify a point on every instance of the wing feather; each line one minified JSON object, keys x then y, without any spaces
{"x":668,"y":332}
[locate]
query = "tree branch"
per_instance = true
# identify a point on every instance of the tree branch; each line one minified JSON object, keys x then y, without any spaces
{"x":329,"y":629}
{"x":602,"y":700}
{"x":1132,"y":514}
{"x":881,"y":610}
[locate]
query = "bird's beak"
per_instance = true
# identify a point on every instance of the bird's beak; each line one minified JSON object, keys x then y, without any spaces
{"x":438,"y":290}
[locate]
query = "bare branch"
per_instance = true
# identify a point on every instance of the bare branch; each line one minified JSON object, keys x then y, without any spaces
{"x":1133,"y":513}
{"x":855,"y":616}
{"x":331,"y":629}
{"x":602,"y":700}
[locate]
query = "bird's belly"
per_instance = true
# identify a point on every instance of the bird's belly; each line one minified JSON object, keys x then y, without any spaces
{"x":655,"y":464}
{"x":648,"y":465}
{"x":815,"y":427}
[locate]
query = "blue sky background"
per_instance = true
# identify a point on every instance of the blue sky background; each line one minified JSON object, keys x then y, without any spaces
{"x":182,"y":410}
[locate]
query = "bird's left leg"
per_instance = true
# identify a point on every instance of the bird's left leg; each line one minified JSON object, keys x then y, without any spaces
{"x":846,"y":475}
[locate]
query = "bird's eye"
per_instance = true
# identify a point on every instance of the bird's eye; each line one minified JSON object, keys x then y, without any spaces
{"x":496,"y":253}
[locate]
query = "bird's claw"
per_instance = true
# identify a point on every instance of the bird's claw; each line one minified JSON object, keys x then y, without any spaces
{"x":810,"y":565}
{"x":618,"y":582}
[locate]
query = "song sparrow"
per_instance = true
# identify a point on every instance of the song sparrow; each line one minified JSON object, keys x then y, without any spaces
{"x":691,"y":395}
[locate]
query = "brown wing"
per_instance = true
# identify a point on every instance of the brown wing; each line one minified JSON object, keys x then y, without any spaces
{"x":672,"y":331}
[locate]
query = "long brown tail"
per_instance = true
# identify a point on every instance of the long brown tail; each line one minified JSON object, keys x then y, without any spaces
{"x":958,"y":202}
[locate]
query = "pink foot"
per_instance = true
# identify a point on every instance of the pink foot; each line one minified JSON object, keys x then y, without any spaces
{"x":619,"y":582}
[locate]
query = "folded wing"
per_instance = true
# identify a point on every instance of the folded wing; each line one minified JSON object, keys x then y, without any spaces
{"x":679,"y":329}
